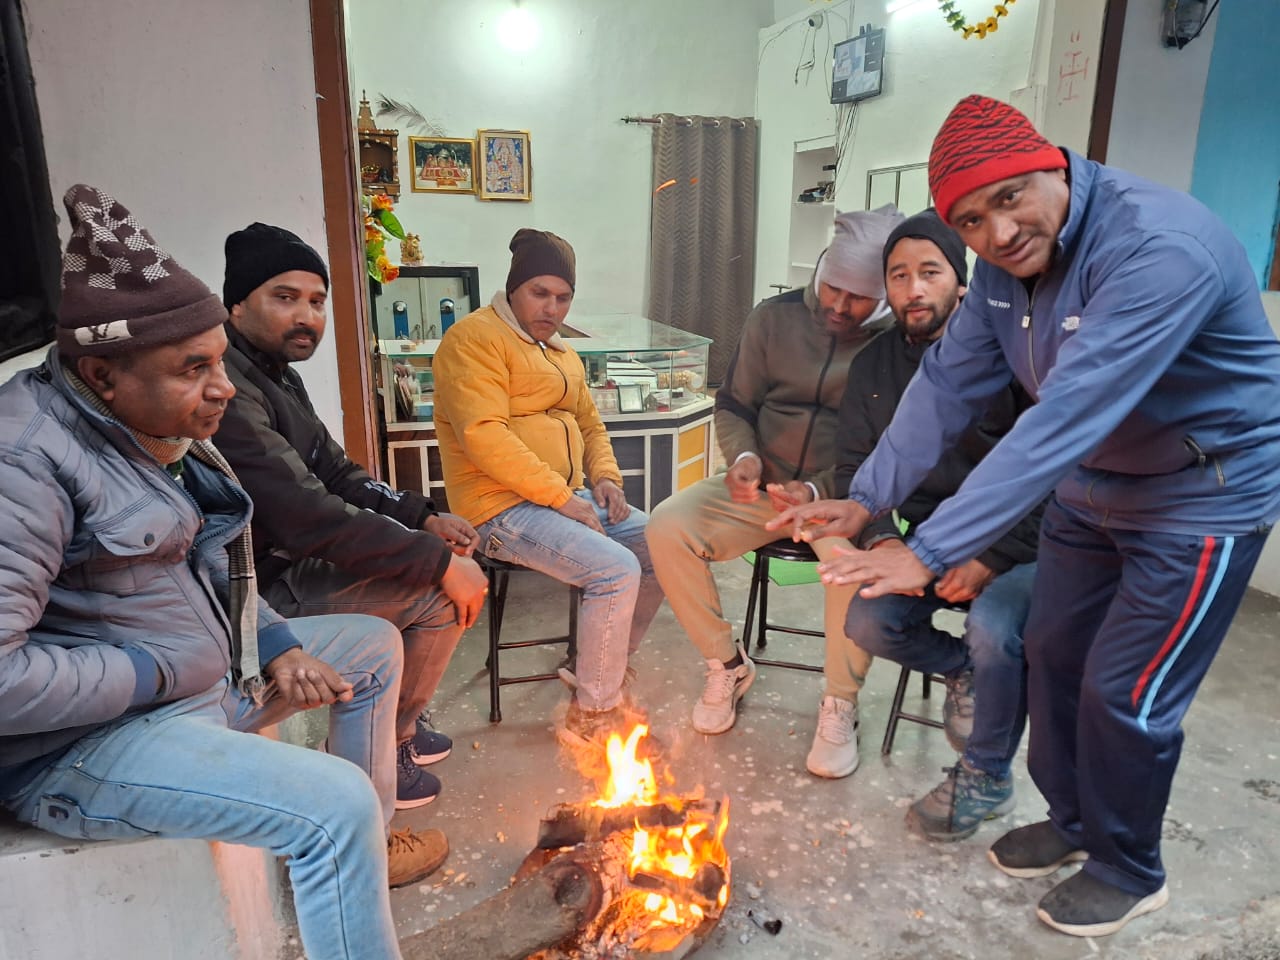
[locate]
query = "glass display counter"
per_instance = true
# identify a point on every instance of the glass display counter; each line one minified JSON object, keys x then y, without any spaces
{"x":648,"y":381}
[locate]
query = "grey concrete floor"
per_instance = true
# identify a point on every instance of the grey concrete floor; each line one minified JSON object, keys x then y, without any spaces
{"x":833,"y":859}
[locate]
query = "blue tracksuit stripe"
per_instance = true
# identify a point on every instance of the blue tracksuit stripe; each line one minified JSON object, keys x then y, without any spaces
{"x":1206,"y":602}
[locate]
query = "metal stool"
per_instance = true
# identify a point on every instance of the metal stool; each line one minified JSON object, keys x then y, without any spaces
{"x":499,"y":574}
{"x":896,"y":712}
{"x":778,"y":550}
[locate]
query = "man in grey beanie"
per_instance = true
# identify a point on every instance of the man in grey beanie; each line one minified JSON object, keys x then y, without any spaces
{"x":776,"y":422}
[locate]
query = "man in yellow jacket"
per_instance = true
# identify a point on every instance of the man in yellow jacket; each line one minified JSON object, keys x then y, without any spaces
{"x":528,"y":462}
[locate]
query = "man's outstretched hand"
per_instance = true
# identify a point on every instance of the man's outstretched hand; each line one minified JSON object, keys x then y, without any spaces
{"x":890,"y":567}
{"x":808,"y":522}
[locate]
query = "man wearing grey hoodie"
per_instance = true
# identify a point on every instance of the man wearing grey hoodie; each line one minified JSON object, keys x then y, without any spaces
{"x":776,"y":421}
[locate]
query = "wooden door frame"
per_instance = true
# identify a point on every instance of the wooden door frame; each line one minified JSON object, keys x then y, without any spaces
{"x":348,"y":284}
{"x":1104,"y":96}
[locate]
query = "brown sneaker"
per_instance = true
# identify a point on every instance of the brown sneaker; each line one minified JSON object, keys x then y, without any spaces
{"x":413,"y":855}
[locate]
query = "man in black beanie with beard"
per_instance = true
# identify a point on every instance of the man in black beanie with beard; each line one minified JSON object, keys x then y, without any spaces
{"x":329,"y":538}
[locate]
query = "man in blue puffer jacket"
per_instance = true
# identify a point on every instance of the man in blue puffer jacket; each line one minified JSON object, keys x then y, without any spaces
{"x":1131,"y":314}
{"x":135,"y":656}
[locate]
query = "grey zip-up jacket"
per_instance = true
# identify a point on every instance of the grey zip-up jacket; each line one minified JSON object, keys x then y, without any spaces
{"x":781,"y":394}
{"x":113,"y":574}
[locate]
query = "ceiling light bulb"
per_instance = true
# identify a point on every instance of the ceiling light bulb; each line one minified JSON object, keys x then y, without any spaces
{"x":518,"y":30}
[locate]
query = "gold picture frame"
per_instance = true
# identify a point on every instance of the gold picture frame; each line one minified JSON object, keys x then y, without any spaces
{"x":442,"y":164}
{"x":504,"y":170}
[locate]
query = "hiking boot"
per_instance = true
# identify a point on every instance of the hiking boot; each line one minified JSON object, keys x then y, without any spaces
{"x":834,"y":753}
{"x":957,"y":710}
{"x":428,"y":746}
{"x":717,"y":708}
{"x":413,"y":855}
{"x":955,"y":808}
{"x":1036,"y":850}
{"x":1084,"y":906}
{"x":415,"y":787}
{"x":587,"y":729}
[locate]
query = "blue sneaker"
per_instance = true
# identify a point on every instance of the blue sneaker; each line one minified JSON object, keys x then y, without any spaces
{"x":429,"y":746}
{"x":415,"y":787}
{"x":955,"y":808}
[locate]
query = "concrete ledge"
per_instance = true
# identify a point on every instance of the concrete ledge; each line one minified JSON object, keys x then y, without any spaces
{"x":145,"y":899}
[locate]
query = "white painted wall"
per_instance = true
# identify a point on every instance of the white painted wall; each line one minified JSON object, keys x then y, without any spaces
{"x":199,"y":117}
{"x":1159,"y":96}
{"x":594,"y":62}
{"x":928,"y":67}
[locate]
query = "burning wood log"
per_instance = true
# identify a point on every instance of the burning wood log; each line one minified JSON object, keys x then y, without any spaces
{"x":538,"y":912}
{"x":569,"y":823}
{"x":644,"y":876}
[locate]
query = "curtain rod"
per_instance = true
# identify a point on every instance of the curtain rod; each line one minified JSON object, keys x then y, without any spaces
{"x":683,"y":121}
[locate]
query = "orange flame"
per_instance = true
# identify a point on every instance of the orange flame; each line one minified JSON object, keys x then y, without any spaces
{"x":631,"y":780}
{"x":676,"y":852}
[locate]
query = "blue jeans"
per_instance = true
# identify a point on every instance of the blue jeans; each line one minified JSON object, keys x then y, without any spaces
{"x":191,"y":769}
{"x":900,"y":628}
{"x":620,"y":594}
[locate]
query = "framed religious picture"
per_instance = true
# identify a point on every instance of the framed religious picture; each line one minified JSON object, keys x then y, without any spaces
{"x":443,"y":164}
{"x":503,"y":170}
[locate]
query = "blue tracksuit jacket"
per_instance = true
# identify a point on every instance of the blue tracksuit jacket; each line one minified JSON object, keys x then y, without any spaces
{"x":1156,"y":373}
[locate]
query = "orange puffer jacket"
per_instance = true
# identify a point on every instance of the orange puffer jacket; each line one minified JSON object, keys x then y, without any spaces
{"x":514,"y":418}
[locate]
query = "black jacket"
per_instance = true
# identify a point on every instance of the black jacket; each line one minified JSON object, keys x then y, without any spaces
{"x":878,"y":376}
{"x":309,"y":498}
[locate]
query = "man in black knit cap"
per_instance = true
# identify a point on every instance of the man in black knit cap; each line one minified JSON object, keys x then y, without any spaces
{"x":329,"y":537}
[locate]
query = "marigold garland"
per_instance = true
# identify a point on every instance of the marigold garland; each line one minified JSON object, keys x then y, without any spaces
{"x":958,"y":23}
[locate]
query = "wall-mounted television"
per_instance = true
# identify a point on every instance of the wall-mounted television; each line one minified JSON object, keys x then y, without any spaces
{"x":857,"y":70}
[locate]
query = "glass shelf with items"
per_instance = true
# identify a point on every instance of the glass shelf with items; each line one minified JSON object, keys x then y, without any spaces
{"x":637,"y":366}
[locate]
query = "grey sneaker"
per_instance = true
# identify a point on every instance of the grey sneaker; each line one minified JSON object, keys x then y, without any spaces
{"x":834,"y":753}
{"x":1035,"y":850}
{"x":717,"y":708}
{"x":955,"y":808}
{"x":957,"y":710}
{"x":1084,"y":906}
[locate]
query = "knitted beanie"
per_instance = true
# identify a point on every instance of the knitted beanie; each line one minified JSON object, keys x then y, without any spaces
{"x":853,"y":260}
{"x":537,"y":253}
{"x":927,"y":225}
{"x":120,"y":292}
{"x":259,"y":252}
{"x":983,"y":141}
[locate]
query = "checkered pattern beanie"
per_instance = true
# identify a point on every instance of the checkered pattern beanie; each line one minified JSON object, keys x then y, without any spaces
{"x":983,"y":141}
{"x":120,"y":292}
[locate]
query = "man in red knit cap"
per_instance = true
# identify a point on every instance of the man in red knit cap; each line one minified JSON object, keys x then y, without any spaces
{"x":1132,"y":316}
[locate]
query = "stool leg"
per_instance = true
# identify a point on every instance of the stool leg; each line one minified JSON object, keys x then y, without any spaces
{"x":762,"y":639}
{"x":497,"y":601}
{"x":895,"y":711}
{"x":751,"y":603}
{"x":926,"y":682}
{"x":575,"y":600}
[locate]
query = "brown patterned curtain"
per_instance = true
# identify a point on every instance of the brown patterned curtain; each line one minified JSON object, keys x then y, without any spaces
{"x":702,"y":233}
